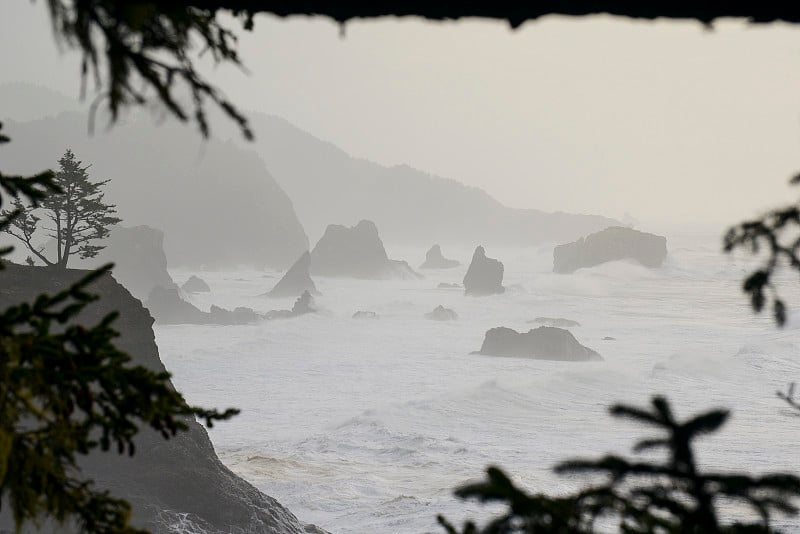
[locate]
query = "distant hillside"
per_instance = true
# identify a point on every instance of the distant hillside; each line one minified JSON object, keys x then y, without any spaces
{"x":26,"y":102}
{"x":215,"y":202}
{"x":409,"y":206}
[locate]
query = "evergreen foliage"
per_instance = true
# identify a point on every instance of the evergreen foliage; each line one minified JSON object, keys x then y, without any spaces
{"x":640,"y":496}
{"x":77,"y":213}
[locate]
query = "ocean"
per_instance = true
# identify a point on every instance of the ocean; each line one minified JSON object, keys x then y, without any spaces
{"x":367,"y":425}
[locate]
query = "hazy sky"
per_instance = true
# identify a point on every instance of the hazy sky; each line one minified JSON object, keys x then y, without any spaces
{"x":667,"y":120}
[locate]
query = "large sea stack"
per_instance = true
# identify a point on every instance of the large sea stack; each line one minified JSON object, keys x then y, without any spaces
{"x":543,"y":343}
{"x":296,"y":280}
{"x":172,"y":482}
{"x":484,"y":276}
{"x":614,"y":243}
{"x":355,"y":252}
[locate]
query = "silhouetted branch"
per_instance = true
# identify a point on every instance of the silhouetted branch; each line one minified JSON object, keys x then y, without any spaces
{"x":674,"y":496}
{"x":779,"y":232}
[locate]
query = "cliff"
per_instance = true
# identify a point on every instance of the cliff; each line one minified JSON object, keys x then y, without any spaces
{"x":168,"y":482}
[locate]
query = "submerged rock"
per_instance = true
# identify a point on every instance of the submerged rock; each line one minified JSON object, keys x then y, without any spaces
{"x":195,"y":284}
{"x":613,"y":243}
{"x":365,"y":315}
{"x":167,"y":307}
{"x":484,"y":276}
{"x":356,"y":252}
{"x":543,"y":343}
{"x":435,"y":260}
{"x":558,"y":322}
{"x":296,"y":280}
{"x":440,"y":313}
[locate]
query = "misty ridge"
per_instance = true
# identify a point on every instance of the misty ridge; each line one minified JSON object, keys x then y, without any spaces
{"x":259,"y":204}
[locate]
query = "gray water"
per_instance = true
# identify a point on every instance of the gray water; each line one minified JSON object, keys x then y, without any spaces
{"x":367,"y":425}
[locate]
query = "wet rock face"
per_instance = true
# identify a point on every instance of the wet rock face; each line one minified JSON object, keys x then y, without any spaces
{"x":440,"y":313}
{"x":484,"y":276}
{"x":355,"y":252}
{"x":195,"y":284}
{"x":611,"y":244}
{"x":168,"y":482}
{"x":543,"y":343}
{"x":296,"y":280}
{"x":435,"y":260}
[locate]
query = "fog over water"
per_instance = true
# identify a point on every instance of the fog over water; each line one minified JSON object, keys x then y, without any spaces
{"x":463,"y":134}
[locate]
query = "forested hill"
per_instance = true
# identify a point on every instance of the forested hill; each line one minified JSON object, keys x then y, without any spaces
{"x":409,"y":206}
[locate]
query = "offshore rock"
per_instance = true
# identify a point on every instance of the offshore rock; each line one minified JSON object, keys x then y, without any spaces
{"x":611,"y":244}
{"x":543,"y":343}
{"x":356,"y":252}
{"x":296,"y":280}
{"x":435,"y":260}
{"x":484,"y":276}
{"x":440,"y":313}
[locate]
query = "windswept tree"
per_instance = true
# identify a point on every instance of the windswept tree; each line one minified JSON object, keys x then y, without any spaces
{"x":78,"y":216}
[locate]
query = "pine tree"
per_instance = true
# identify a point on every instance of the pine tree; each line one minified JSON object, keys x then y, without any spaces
{"x":78,"y":215}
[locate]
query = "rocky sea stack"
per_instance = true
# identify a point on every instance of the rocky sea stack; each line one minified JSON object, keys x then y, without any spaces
{"x":435,"y":260}
{"x":356,"y":252}
{"x":611,"y":244}
{"x":543,"y":343}
{"x":296,"y":280}
{"x":484,"y":276}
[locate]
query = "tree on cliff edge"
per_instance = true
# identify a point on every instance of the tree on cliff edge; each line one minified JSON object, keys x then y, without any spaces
{"x":78,"y":216}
